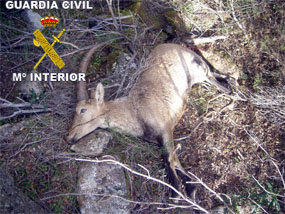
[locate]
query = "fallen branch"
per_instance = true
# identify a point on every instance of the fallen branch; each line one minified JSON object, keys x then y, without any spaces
{"x":19,"y":112}
{"x":211,"y":39}
{"x":34,"y":108}
{"x":236,"y":20}
{"x":109,"y":3}
{"x":199,"y":181}
{"x":172,"y":206}
{"x":103,"y":19}
{"x":8,"y":104}
{"x":265,"y":190}
{"x":86,"y":47}
{"x":184,"y":198}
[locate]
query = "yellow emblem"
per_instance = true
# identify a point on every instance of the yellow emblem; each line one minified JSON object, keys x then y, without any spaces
{"x":48,"y":48}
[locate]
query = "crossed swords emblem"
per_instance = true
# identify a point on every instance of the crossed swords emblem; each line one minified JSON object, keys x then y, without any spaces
{"x":48,"y":48}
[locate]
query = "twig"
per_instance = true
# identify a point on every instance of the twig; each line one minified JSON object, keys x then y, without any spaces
{"x":26,"y":62}
{"x":72,"y":45}
{"x":31,"y":143}
{"x":16,"y":44}
{"x":212,"y":10}
{"x":268,"y":192}
{"x":270,"y":102}
{"x":109,"y":19}
{"x":8,"y":104}
{"x":118,"y":10}
{"x":199,"y":181}
{"x":109,"y":3}
{"x":35,"y":108}
{"x":211,"y":39}
{"x":144,"y":169}
{"x":16,"y":29}
{"x":117,"y":196}
{"x":83,"y":49}
{"x":236,"y":20}
{"x":256,"y":141}
{"x":278,"y":170}
{"x":147,"y":177}
{"x":258,"y":205}
{"x":19,"y":112}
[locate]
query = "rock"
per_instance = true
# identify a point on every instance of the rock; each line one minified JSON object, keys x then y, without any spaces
{"x":92,"y":144}
{"x":249,"y":209}
{"x":12,"y":200}
{"x":5,"y":131}
{"x":28,"y":89}
{"x":9,"y":131}
{"x":34,"y":19}
{"x":97,"y":182}
{"x":219,"y":210}
{"x":175,"y":23}
{"x":120,"y":66}
{"x":11,"y":137}
{"x":160,"y":18}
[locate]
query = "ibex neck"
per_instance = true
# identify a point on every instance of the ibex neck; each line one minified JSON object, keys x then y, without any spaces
{"x":121,"y":115}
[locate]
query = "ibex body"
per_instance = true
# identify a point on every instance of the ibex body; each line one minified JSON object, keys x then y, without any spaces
{"x":154,"y":105}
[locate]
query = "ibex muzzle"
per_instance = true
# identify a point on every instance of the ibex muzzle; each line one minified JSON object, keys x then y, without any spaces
{"x":154,"y":105}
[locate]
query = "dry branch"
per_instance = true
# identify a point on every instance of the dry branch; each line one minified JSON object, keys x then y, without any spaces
{"x":199,"y":181}
{"x":211,"y":39}
{"x":172,"y":206}
{"x":183,"y":197}
{"x":236,"y":20}
{"x":109,"y":3}
{"x":269,"y":101}
{"x":21,"y":108}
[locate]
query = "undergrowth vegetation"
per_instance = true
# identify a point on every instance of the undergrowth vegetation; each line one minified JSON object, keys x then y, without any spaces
{"x":233,"y":143}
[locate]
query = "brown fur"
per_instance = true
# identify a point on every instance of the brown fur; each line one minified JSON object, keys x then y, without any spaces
{"x":154,"y":105}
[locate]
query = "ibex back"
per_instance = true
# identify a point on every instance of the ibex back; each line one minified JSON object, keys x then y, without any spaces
{"x":154,"y":105}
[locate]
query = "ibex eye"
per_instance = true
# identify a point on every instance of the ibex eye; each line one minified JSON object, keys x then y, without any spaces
{"x":83,"y":111}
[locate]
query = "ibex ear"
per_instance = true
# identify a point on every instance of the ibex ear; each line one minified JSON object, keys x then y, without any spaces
{"x":99,"y":94}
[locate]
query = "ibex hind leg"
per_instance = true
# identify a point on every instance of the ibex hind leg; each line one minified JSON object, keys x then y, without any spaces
{"x":171,"y":173}
{"x":176,"y":173}
{"x":189,"y":188}
{"x":185,"y":179}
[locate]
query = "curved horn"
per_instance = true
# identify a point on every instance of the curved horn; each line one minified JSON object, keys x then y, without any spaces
{"x":81,"y":85}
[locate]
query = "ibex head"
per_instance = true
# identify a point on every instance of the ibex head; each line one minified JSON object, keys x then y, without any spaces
{"x":87,"y":116}
{"x":88,"y":110}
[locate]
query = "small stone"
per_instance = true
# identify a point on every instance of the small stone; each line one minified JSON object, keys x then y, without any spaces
{"x":35,"y":20}
{"x":92,"y":144}
{"x":28,"y":89}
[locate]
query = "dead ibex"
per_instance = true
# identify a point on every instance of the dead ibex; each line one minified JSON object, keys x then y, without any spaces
{"x":154,"y":105}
